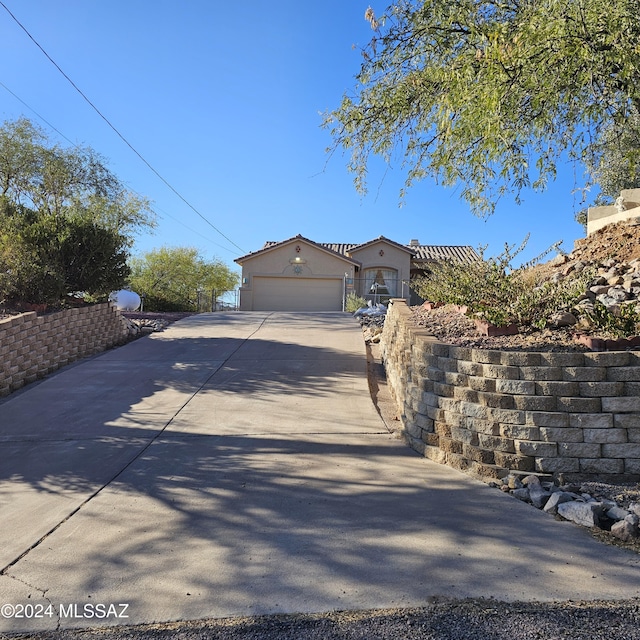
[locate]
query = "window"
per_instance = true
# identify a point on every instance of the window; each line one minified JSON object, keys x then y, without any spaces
{"x":382,"y":282}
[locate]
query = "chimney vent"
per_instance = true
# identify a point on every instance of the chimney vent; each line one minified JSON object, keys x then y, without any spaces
{"x":414,"y":243}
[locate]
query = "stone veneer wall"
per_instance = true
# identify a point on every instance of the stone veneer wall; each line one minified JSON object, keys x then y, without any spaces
{"x":32,"y":346}
{"x":573,"y":415}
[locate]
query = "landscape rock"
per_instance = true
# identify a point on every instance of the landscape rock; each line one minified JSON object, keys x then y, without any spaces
{"x":625,"y":531}
{"x":586,"y":514}
{"x":556,"y":498}
{"x":563,"y":319}
{"x":372,"y":322}
{"x":618,"y":294}
{"x":538,"y":495}
{"x":593,"y":504}
{"x":513,"y":482}
{"x":617,"y":513}
{"x":521,"y":494}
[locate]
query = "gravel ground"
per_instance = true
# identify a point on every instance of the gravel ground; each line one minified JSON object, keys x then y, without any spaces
{"x":453,"y":327}
{"x":438,"y":620}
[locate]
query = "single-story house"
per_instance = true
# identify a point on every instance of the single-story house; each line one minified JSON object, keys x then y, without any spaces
{"x":299,"y":274}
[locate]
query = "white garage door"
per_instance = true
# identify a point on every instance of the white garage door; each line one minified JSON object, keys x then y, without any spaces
{"x":297,"y":294}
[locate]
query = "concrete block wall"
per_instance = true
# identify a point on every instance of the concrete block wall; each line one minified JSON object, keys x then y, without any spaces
{"x":571,"y":415}
{"x":33,"y":346}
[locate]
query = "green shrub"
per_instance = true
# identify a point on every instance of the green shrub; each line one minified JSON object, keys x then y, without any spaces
{"x":494,"y":290}
{"x":536,"y":300}
{"x":43,"y":258}
{"x":354,"y":302}
{"x":621,"y":324}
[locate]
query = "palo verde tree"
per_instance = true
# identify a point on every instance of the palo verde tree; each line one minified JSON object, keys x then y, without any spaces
{"x":170,"y":278}
{"x":492,"y":94}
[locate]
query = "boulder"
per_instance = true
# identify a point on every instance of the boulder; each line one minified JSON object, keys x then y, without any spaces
{"x":617,"y":513}
{"x":625,"y":531}
{"x":556,"y":498}
{"x":562,"y":319}
{"x":586,"y":514}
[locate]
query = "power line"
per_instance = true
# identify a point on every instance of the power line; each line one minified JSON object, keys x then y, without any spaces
{"x":156,"y":210}
{"x":19,"y":99}
{"x":93,"y":106}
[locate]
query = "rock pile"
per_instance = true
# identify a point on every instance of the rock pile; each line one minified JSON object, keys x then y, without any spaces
{"x":142,"y":326}
{"x":615,"y":284}
{"x":610,"y":508}
{"x":372,"y":322}
{"x":612,"y":254}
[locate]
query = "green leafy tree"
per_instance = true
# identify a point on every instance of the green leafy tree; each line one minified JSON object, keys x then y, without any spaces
{"x":616,"y":165}
{"x":43,"y":258}
{"x":67,"y":182}
{"x":170,"y":278}
{"x":92,"y":258}
{"x":66,"y":221}
{"x":491,"y":95}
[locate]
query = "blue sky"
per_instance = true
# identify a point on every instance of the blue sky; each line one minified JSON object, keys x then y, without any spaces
{"x":224,"y":100}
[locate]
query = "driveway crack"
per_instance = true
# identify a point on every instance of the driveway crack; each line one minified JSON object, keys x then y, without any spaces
{"x":136,"y":457}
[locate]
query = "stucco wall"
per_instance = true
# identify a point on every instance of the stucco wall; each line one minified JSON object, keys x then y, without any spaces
{"x":574,"y":415}
{"x":392,"y":258}
{"x":313,"y":262}
{"x":32,"y":346}
{"x":599,"y":217}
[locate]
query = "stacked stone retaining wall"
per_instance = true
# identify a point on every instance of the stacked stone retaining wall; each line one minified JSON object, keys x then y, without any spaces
{"x":33,"y":346}
{"x":575,"y":416}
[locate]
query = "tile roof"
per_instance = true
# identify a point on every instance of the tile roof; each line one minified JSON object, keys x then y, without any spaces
{"x":270,"y":244}
{"x":421,"y":252}
{"x":461,"y":253}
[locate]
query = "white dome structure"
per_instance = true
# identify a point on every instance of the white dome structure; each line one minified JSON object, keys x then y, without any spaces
{"x":125,"y":300}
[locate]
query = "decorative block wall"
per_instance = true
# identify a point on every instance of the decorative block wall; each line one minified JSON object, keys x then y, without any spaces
{"x":33,"y":346}
{"x":573,"y":415}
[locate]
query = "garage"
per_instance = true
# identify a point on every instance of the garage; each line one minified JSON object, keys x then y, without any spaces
{"x":280,"y":293}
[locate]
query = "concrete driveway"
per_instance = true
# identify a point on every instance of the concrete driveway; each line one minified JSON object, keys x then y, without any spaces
{"x":234,"y":465}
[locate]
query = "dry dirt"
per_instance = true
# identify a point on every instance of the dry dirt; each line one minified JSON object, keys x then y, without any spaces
{"x":453,"y":327}
{"x":620,"y":242}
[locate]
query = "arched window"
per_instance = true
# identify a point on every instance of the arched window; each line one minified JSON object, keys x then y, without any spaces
{"x":383,"y":282}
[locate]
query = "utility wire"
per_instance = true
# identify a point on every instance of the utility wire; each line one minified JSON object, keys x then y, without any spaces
{"x":93,"y":106}
{"x":156,"y":210}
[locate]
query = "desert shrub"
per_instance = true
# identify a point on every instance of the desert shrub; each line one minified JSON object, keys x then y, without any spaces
{"x":496,"y":291}
{"x":354,"y":302}
{"x":619,"y":323}
{"x":537,"y":300}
